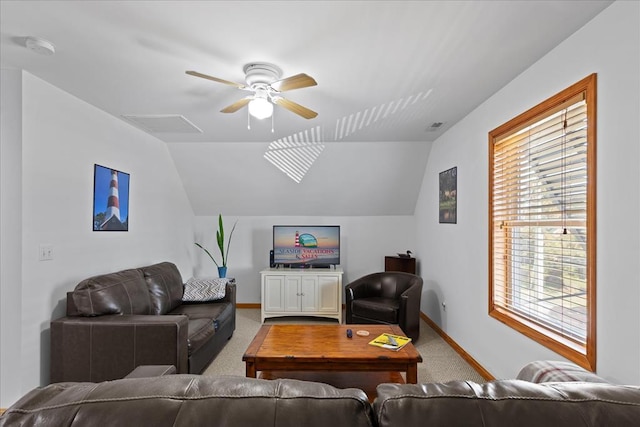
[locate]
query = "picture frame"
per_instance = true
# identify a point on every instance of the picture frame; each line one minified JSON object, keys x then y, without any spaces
{"x":448,"y":196}
{"x":110,"y":199}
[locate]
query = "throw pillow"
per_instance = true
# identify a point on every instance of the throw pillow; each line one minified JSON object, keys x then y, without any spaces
{"x":204,"y":289}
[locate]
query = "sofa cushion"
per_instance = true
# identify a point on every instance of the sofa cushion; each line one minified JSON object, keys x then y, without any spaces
{"x":123,"y":292}
{"x":204,"y":289}
{"x":200,"y":331}
{"x":381,"y":309}
{"x":192,"y":400}
{"x":165,"y":286}
{"x":507,"y":403}
{"x":220,"y":312}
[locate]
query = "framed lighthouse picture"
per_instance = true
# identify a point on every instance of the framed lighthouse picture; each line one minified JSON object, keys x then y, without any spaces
{"x":110,"y":199}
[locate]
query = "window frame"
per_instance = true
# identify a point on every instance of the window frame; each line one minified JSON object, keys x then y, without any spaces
{"x":583,"y":355}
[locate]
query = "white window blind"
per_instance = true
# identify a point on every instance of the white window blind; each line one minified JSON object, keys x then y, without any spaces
{"x":540,"y":233}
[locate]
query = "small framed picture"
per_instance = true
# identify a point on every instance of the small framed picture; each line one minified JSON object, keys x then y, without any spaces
{"x":448,"y":203}
{"x":110,"y":199}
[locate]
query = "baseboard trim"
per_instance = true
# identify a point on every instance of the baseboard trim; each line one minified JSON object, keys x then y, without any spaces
{"x":466,"y":356}
{"x":249,"y":305}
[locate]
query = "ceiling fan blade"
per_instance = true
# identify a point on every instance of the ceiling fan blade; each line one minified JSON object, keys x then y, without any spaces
{"x":294,"y":82}
{"x":215,"y":79}
{"x":236,"y":105}
{"x":295,"y":108}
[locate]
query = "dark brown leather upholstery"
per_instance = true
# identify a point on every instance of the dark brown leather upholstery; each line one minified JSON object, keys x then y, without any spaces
{"x":121,"y":320}
{"x":160,"y":279}
{"x":192,"y":400}
{"x":108,"y":347}
{"x":147,"y":371}
{"x":123,"y":292}
{"x":390,"y":297}
{"x":507,"y":403}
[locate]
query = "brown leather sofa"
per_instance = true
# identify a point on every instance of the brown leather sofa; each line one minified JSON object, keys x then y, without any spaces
{"x":390,"y":297}
{"x":507,"y":403}
{"x":118,"y":321}
{"x":193,"y":400}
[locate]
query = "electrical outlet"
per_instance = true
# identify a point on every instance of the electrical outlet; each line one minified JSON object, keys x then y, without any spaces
{"x":46,"y":252}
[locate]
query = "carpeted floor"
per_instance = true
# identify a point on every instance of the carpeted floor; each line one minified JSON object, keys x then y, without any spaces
{"x":440,"y":362}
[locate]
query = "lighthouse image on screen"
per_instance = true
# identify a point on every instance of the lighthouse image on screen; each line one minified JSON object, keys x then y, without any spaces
{"x":317,"y":246}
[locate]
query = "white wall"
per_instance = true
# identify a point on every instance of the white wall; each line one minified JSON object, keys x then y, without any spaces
{"x":10,"y":231}
{"x":364,"y":241}
{"x":455,"y":257}
{"x":62,"y":139}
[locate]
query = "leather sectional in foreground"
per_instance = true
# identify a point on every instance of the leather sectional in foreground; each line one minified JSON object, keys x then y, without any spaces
{"x":233,"y":401}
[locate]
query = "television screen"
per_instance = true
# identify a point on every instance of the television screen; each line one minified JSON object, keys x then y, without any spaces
{"x":306,"y":245}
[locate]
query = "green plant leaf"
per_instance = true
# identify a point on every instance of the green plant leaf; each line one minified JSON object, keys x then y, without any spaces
{"x":220,"y":233}
{"x":229,"y":242}
{"x":208,"y":253}
{"x":220,"y":242}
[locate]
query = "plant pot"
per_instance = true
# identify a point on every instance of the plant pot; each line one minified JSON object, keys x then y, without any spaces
{"x":222,"y":272}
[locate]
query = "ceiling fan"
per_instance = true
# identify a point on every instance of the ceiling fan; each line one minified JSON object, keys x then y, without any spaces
{"x":263,"y":80}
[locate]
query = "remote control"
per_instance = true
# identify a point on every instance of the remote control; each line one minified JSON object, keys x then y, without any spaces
{"x":349,"y":333}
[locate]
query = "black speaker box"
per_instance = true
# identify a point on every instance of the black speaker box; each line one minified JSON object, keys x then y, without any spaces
{"x":271,"y":264}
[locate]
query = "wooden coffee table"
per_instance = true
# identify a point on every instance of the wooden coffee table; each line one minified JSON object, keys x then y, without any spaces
{"x":324,"y":353}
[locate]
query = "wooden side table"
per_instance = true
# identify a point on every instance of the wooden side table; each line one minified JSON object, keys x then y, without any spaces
{"x":396,"y":263}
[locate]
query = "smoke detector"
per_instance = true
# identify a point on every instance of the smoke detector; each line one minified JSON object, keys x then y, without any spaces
{"x":40,"y":46}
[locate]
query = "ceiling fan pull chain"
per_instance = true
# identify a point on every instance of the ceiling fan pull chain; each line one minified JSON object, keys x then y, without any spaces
{"x":248,"y":120}
{"x":272,"y":120}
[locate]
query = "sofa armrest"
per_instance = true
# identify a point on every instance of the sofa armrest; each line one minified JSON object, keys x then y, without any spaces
{"x":109,"y":347}
{"x":148,"y":371}
{"x":230,"y":293}
{"x":544,"y":371}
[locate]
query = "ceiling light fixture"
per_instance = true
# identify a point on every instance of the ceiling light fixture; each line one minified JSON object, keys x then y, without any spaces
{"x":39,"y":46}
{"x":260,"y":108}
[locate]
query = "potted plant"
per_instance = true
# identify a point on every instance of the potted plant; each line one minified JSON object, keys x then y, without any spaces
{"x":222,"y":269}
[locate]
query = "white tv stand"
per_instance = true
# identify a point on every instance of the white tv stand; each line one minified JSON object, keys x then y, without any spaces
{"x":301,"y":292}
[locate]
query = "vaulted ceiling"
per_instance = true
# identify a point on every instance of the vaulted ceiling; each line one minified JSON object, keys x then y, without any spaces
{"x":387,"y":71}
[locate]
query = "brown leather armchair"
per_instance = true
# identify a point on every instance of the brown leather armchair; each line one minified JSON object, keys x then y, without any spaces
{"x":390,"y":297}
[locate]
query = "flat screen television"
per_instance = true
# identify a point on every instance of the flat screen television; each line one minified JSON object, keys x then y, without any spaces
{"x":306,"y":245}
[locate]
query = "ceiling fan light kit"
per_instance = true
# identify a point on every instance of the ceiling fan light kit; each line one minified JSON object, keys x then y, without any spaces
{"x":263,"y":79}
{"x":260,"y":108}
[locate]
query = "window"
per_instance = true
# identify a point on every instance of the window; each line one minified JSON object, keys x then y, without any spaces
{"x":542,"y":240}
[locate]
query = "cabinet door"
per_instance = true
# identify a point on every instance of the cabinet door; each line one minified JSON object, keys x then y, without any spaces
{"x":328,"y":293}
{"x":308,"y":291}
{"x":273,"y":293}
{"x":292,"y":293}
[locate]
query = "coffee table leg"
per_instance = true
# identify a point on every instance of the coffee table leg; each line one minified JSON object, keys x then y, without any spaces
{"x":412,"y":374}
{"x":251,"y":369}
